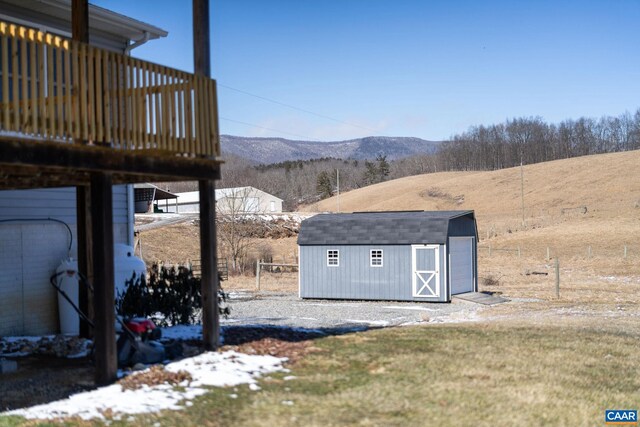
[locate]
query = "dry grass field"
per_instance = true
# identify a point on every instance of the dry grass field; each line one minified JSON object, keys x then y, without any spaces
{"x":590,"y":245}
{"x":598,"y":284}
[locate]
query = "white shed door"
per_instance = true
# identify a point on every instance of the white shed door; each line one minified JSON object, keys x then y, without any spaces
{"x":426,"y":271}
{"x":461,"y":264}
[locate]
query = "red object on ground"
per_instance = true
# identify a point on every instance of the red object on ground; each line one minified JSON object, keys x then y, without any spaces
{"x":140,"y":326}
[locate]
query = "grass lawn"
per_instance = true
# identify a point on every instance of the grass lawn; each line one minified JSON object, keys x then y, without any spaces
{"x":463,"y":375}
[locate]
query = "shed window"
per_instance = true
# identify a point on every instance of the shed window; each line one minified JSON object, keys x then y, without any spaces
{"x":333,"y":258}
{"x":376,"y":258}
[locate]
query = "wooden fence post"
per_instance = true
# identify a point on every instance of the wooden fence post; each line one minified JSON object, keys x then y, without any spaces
{"x":519,"y":253}
{"x":589,"y":251}
{"x":258,"y":275}
{"x":548,"y":254}
{"x":625,"y":251}
{"x":557,"y":278}
{"x":489,"y":250}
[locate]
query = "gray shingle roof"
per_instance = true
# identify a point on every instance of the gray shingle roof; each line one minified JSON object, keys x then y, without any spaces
{"x":379,"y":228}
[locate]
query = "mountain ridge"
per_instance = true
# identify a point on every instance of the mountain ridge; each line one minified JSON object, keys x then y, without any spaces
{"x":266,"y":150}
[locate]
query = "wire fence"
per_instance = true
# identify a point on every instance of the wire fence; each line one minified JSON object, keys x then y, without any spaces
{"x":621,"y":252}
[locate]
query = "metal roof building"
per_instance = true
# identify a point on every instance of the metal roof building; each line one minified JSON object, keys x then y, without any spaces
{"x":409,"y":255}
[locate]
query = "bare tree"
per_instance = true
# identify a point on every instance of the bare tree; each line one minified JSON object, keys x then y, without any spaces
{"x":236,"y":209}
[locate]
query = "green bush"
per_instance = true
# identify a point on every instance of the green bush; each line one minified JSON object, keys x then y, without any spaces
{"x":170,"y":297}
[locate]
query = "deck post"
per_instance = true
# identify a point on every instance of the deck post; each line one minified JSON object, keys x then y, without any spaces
{"x":80,"y":20}
{"x":209,"y":266}
{"x":80,"y":32}
{"x":85,"y":255}
{"x":209,"y":283}
{"x":104,"y":297}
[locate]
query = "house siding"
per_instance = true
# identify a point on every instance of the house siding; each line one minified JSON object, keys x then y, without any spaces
{"x":354,"y":278}
{"x":30,"y":251}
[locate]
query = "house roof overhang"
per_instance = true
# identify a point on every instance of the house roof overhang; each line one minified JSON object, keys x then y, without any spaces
{"x":101,"y":21}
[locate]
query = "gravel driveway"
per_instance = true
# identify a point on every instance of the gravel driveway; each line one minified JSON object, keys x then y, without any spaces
{"x":289,"y":310}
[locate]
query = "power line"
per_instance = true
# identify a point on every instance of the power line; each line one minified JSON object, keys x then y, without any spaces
{"x":269,"y":129}
{"x":296,"y":108}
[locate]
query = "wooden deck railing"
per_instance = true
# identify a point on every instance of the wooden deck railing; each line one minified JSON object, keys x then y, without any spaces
{"x":57,"y":89}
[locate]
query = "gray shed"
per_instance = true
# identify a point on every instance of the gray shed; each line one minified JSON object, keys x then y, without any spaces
{"x":409,"y":255}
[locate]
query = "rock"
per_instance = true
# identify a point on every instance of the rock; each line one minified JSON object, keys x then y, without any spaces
{"x":8,"y":366}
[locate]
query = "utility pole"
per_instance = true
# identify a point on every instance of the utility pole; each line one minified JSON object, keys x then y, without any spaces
{"x":338,"y":184}
{"x":522,"y":187}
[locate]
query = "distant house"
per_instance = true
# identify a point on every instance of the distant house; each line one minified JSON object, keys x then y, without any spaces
{"x":239,"y":200}
{"x":410,"y":256}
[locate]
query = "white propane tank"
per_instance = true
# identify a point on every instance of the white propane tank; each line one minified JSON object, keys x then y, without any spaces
{"x":125,"y":264}
{"x":68,"y":282}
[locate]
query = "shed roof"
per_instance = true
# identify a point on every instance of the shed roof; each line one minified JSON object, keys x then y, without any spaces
{"x":379,"y":228}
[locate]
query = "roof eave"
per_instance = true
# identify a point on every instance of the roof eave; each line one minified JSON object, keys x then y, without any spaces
{"x":112,"y":22}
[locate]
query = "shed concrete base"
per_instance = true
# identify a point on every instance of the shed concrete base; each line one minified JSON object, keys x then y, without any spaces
{"x":480,"y":298}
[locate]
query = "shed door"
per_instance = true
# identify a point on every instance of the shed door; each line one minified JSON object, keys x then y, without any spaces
{"x":426,"y":271}
{"x":461,"y":256}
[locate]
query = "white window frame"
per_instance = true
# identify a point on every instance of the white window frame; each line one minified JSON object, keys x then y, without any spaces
{"x":371,"y":258}
{"x":331,"y":258}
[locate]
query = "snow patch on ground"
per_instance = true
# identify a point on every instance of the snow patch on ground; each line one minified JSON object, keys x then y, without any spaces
{"x":207,"y":370}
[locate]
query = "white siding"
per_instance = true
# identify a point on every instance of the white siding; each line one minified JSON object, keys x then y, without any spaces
{"x":11,"y":310}
{"x":461,"y":253}
{"x":59,"y":203}
{"x":30,"y":251}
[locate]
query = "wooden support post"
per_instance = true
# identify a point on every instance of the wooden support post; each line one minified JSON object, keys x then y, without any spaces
{"x":202,"y":67}
{"x":589,"y":251}
{"x":201,"y":44}
{"x":209,"y":266}
{"x":625,"y":251}
{"x":519,"y":252}
{"x":548,"y":254}
{"x":102,"y":228}
{"x":80,"y":20}
{"x":80,"y":32}
{"x":85,"y":255}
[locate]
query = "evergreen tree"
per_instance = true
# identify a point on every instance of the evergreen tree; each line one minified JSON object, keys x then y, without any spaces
{"x":324,"y":185}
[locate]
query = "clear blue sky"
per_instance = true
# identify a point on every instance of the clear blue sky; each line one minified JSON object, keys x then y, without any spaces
{"x":420,"y":68}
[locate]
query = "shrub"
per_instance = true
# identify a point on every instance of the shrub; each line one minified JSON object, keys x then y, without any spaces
{"x":170,"y":297}
{"x":490,"y":280}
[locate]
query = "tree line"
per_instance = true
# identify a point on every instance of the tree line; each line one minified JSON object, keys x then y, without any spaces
{"x":531,"y":140}
{"x":527,"y":140}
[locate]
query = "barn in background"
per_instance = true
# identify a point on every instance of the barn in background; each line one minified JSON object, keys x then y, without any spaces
{"x":148,"y":196}
{"x":231,"y":201}
{"x":405,"y":256}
